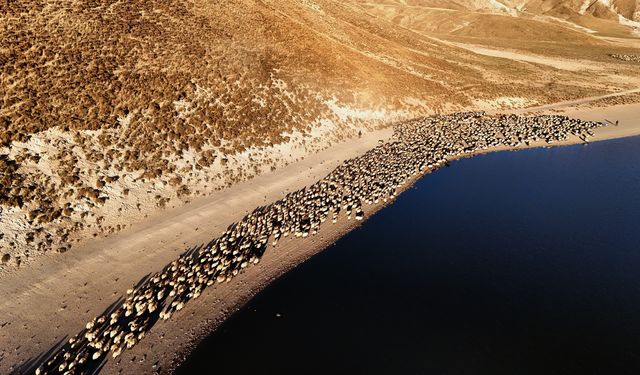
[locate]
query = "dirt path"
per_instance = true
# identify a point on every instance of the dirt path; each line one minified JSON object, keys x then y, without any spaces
{"x":43,"y":302}
{"x":572,"y":103}
{"x":558,"y":63}
{"x":627,"y":116}
{"x":203,"y":315}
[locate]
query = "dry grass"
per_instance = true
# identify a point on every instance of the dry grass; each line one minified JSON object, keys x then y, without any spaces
{"x":110,"y":109}
{"x":616,"y":100}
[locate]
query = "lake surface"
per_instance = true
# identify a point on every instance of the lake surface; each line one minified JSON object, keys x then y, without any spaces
{"x":521,"y":262}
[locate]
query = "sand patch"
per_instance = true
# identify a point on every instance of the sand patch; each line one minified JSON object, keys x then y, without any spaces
{"x":502,"y":103}
{"x":563,"y":64}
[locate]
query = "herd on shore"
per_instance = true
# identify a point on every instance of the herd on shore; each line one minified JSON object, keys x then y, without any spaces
{"x":417,"y":147}
{"x":628,"y":58}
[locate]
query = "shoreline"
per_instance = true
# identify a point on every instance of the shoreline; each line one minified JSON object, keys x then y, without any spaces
{"x":199,"y":317}
{"x":312,"y":249}
{"x":601,"y":135}
{"x":73,"y":288}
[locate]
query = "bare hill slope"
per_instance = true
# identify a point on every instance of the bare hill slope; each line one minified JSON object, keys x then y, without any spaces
{"x":112,"y":109}
{"x":606,"y":17}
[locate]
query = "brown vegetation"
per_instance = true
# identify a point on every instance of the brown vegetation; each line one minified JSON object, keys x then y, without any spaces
{"x":100,"y":98}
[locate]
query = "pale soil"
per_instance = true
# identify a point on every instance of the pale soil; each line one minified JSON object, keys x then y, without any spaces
{"x":626,"y":42}
{"x":558,"y":63}
{"x":567,"y":105}
{"x":52,"y":298}
{"x":131,"y":199}
{"x":628,"y":116}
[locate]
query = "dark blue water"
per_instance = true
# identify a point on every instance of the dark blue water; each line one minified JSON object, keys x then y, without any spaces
{"x":521,"y":262}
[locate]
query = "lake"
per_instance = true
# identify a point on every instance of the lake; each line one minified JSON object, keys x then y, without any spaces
{"x":522,"y":262}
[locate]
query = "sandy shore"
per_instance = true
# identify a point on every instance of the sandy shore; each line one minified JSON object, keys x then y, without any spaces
{"x":53,"y":298}
{"x":44,"y":302}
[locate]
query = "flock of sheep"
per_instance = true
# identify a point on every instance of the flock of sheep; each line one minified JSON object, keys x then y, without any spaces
{"x":630,"y":58}
{"x":418,"y":146}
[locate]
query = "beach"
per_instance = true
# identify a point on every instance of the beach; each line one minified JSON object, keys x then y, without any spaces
{"x":50,"y":300}
{"x":495,"y":263}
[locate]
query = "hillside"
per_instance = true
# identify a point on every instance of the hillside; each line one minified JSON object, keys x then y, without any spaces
{"x":606,"y":9}
{"x":600,"y":17}
{"x":111,"y":110}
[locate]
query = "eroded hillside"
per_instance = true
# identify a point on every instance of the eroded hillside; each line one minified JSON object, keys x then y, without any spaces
{"x":619,"y":18}
{"x":113,"y":109}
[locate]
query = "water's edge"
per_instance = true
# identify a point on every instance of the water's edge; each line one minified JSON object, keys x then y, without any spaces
{"x":496,"y":153}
